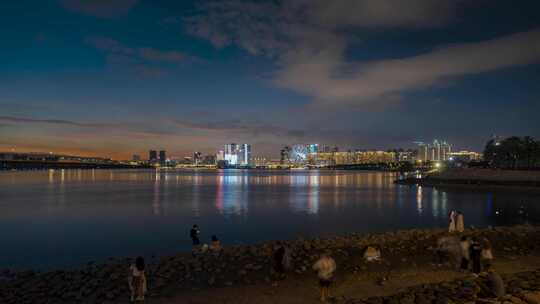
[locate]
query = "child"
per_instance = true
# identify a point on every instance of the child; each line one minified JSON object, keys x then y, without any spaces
{"x":137,"y":280}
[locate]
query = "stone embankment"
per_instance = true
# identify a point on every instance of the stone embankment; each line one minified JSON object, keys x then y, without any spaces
{"x":478,"y":177}
{"x":248,"y":265}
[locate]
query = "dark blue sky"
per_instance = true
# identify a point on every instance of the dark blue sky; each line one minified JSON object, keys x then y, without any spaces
{"x":115,"y":78}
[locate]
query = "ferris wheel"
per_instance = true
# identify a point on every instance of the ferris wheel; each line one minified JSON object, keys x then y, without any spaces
{"x":299,"y":153}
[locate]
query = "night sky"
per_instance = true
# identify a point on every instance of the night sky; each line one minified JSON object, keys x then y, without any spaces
{"x":116,"y":78}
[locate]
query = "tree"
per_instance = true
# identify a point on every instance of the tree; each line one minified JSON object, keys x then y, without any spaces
{"x":513,"y":153}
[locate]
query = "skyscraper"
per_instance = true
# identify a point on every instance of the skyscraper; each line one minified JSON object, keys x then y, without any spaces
{"x":231,"y":154}
{"x":237,"y":154}
{"x":244,"y":154}
{"x":162,"y":157}
{"x":197,"y":158}
{"x":152,"y":156}
{"x":437,"y":151}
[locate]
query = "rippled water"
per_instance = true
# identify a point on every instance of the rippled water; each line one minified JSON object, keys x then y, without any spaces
{"x":51,"y":219}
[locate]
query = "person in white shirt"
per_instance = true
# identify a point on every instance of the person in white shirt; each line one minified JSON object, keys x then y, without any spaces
{"x":137,"y":280}
{"x":325,"y":267}
{"x":452,"y":221}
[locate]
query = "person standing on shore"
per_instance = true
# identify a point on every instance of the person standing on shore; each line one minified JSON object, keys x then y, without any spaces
{"x":465,"y":254}
{"x":279,"y":267}
{"x":325,"y":267}
{"x":137,"y":280}
{"x":452,"y":221}
{"x":287,"y":259}
{"x":195,"y":241}
{"x":475,"y":254}
{"x":460,"y":223}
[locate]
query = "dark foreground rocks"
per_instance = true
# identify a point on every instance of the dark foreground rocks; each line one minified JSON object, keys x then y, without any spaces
{"x":247,"y":265}
{"x":522,"y":288}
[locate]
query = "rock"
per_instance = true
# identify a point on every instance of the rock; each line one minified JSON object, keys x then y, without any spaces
{"x":516,"y":300}
{"x":110,"y":296}
{"x":532,"y":298}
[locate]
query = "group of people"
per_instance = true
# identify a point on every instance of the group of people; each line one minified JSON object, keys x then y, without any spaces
{"x":325,"y":268}
{"x":475,"y":252}
{"x":476,"y":255}
{"x":456,"y":221}
{"x":215,"y":245}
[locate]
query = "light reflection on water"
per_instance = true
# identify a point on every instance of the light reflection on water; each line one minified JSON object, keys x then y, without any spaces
{"x":67,"y":217}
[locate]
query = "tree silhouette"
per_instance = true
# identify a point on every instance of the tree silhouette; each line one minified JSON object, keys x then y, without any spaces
{"x":513,"y":153}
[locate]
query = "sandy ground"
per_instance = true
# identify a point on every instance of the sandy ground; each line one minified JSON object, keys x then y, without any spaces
{"x":348,"y":286}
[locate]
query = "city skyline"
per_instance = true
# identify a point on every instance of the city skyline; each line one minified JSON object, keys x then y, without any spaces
{"x":118,"y":78}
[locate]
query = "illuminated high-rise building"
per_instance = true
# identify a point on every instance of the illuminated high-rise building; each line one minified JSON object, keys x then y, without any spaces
{"x":244,"y":154}
{"x":437,"y":151}
{"x":237,"y":154}
{"x":197,"y":158}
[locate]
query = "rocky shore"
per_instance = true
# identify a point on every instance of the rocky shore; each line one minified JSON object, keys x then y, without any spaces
{"x":252,"y":265}
{"x":522,"y":288}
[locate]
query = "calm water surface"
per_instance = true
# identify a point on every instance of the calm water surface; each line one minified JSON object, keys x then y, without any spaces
{"x":53,"y":219}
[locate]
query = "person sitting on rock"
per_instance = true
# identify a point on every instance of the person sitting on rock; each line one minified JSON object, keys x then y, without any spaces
{"x":494,"y":285}
{"x":137,"y":280}
{"x":372,"y":254}
{"x":325,"y":267}
{"x":215,"y":246}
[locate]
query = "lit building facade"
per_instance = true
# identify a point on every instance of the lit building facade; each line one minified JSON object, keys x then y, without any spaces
{"x":237,"y":154}
{"x":437,"y":151}
{"x":355,"y":158}
{"x":465,"y":156}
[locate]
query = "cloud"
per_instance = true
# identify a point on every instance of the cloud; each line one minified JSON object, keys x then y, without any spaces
{"x":14,"y":119}
{"x":140,"y":54}
{"x":100,"y":8}
{"x":335,"y":80}
{"x":309,"y":40}
{"x":146,"y":62}
{"x":381,"y":13}
{"x":238,"y":126}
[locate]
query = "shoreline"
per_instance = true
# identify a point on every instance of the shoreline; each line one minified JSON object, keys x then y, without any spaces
{"x":453,"y":184}
{"x":244,"y":266}
{"x":478,"y":178}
